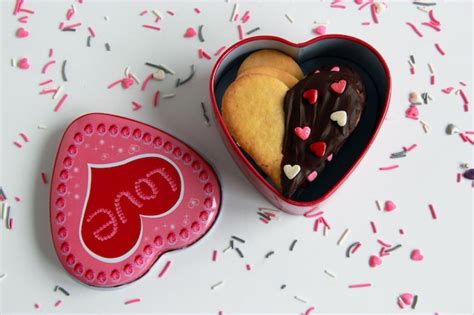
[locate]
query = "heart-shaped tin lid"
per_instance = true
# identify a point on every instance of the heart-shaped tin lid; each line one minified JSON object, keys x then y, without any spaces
{"x":122,"y":194}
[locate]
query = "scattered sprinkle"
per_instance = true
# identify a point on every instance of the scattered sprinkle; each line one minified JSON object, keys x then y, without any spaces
{"x":91,"y":31}
{"x":238,"y":239}
{"x":292,"y":246}
{"x":343,"y":236}
{"x":216,"y":285}
{"x":214,"y":255}
{"x":329,"y":273}
{"x":47,"y":65}
{"x":169,"y":95}
{"x":241,"y":31}
{"x":393,"y":248}
{"x":433,"y":211}
{"x":374,"y":228}
{"x":204,"y":114}
{"x":415,"y":29}
{"x":153,"y":27}
{"x":136,"y":300}
{"x":58,"y":302}
{"x":351,"y":249}
{"x":165,"y":269}
{"x":309,"y":310}
{"x":56,"y":288}
{"x":155,"y":98}
{"x":440,"y":49}
{"x":234,"y":12}
{"x":415,"y":301}
{"x":360,"y":285}
{"x":239,"y":252}
{"x":191,"y":75}
{"x":44,"y":178}
{"x":269,"y":254}
{"x":253,"y":30}
{"x":388,"y":168}
{"x":61,"y":102}
{"x":63,"y":71}
{"x":300,"y":299}
{"x":289,"y":18}
{"x":200,"y":36}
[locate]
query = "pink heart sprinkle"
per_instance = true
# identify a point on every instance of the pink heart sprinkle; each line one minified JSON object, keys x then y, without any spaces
{"x":320,"y":30}
{"x":390,"y":206}
{"x":412,"y":112}
{"x":374,"y":261}
{"x":317,"y":71}
{"x":416,"y":255}
{"x":407,"y":298}
{"x":23,"y":63}
{"x":339,"y":86}
{"x":127,"y":82}
{"x":329,"y":158}
{"x":312,"y":176}
{"x":22,"y":33}
{"x":190,"y":32}
{"x":303,"y":133}
{"x":335,"y":69}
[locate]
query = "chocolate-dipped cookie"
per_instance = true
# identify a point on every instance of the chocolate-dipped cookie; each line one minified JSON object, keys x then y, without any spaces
{"x":321,"y":112}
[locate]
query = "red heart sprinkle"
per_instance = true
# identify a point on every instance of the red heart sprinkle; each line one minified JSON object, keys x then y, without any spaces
{"x":311,"y":96}
{"x":339,"y":86}
{"x":318,"y":148}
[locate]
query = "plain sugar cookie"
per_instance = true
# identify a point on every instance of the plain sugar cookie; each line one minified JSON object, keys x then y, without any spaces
{"x":281,"y":75}
{"x":252,"y":109}
{"x":272,"y":58}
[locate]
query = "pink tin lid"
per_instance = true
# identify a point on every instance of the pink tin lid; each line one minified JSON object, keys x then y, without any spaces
{"x":122,"y":194}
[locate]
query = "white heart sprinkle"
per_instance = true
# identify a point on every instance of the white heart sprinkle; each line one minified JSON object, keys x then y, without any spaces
{"x":291,"y":170}
{"x":159,"y":75}
{"x":340,"y":117}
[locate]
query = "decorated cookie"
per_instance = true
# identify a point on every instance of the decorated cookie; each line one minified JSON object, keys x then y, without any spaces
{"x":330,"y":104}
{"x":281,"y":75}
{"x":124,"y":193}
{"x":272,"y":58}
{"x":252,"y":109}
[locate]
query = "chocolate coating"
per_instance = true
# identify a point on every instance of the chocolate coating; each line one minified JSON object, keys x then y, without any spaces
{"x":300,"y":113}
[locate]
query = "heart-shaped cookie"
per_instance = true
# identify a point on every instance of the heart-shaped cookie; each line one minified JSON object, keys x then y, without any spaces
{"x":252,"y":108}
{"x":122,"y":194}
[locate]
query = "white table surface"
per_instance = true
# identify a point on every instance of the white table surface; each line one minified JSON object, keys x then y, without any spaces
{"x":443,"y":280}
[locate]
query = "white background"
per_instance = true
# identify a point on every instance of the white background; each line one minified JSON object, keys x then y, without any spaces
{"x":443,"y":280}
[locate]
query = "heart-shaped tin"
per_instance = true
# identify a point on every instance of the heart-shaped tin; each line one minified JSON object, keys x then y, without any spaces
{"x":312,"y":54}
{"x":122,"y":194}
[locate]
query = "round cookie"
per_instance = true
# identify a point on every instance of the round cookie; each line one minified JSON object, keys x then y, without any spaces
{"x":283,"y":76}
{"x":252,"y":108}
{"x":272,"y":58}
